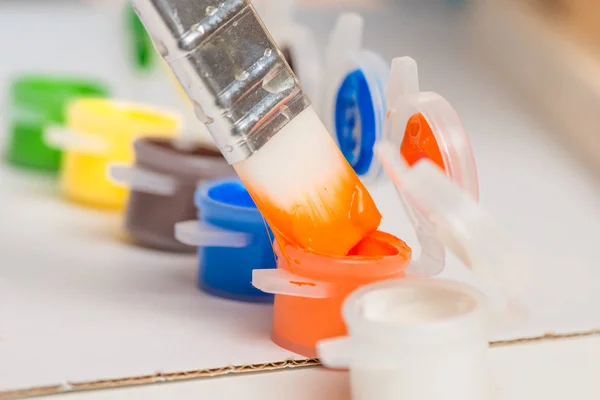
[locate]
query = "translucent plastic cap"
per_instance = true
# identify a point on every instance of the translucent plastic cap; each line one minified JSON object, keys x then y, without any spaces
{"x":457,"y":220}
{"x":423,"y":125}
{"x":443,"y":206}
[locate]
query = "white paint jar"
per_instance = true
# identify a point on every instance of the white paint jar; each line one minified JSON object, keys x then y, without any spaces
{"x":414,"y":340}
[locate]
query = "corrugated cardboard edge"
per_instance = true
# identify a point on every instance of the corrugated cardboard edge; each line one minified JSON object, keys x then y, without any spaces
{"x":160,"y":377}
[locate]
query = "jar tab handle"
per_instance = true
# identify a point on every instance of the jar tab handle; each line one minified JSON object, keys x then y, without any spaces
{"x":141,"y":180}
{"x":63,"y":138}
{"x":279,"y":281}
{"x":203,"y":234}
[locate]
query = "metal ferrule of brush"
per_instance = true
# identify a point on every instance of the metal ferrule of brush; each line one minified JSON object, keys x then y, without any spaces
{"x":237,"y":79}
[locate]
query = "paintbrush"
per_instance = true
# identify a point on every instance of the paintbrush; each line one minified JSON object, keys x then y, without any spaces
{"x":243,"y":90}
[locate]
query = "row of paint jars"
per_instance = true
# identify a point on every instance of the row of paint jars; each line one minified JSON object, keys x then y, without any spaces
{"x":105,"y":158}
{"x":400,"y":322}
{"x":70,"y":127}
{"x":371,"y":311}
{"x":162,"y":174}
{"x":121,"y":156}
{"x":309,"y":288}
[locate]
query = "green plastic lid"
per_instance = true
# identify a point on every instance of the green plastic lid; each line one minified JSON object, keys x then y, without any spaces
{"x":47,"y":96}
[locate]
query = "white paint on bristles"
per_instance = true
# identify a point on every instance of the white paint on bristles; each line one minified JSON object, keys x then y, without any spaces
{"x":301,"y":165}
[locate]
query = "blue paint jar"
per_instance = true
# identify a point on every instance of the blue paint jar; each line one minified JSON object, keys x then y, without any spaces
{"x":232,"y":238}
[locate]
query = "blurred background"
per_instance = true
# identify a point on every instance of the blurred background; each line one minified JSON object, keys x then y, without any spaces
{"x":543,"y":54}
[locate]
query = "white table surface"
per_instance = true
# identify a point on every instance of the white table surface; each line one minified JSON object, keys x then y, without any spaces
{"x":537,"y":190}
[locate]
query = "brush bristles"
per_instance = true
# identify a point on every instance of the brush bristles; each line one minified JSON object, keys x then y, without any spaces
{"x":307,"y":192}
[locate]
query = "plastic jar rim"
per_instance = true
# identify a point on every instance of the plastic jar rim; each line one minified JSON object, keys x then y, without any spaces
{"x":110,"y":117}
{"x":203,"y":199}
{"x":464,"y":323}
{"x":49,"y":96}
{"x":348,"y":269}
{"x":47,"y":89}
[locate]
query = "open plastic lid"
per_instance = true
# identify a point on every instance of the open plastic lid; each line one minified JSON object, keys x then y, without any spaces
{"x":440,"y":194}
{"x":423,"y":125}
{"x":296,"y":41}
{"x":353,"y":98}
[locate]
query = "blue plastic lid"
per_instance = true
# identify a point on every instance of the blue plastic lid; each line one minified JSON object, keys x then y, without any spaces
{"x":227,"y":215}
{"x":354,"y":104}
{"x":227,"y":199}
{"x":231,"y":193}
{"x":355,"y":126}
{"x":359,"y":114}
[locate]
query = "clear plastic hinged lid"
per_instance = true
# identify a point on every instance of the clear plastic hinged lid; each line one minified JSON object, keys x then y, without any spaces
{"x":297,"y":42}
{"x":352,"y":104}
{"x":438,"y":185}
{"x":423,"y":125}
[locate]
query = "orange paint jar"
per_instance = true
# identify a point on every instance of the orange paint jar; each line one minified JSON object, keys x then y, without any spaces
{"x":310,"y":288}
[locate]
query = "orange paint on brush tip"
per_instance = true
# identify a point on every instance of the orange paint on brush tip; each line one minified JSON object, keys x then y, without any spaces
{"x":332,"y":224}
{"x":307,"y":192}
{"x":419,"y":142}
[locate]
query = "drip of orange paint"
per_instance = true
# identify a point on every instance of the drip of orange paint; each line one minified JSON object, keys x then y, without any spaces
{"x":419,"y":142}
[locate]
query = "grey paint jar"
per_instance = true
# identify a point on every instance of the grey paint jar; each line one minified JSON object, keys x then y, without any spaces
{"x":162,"y":183}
